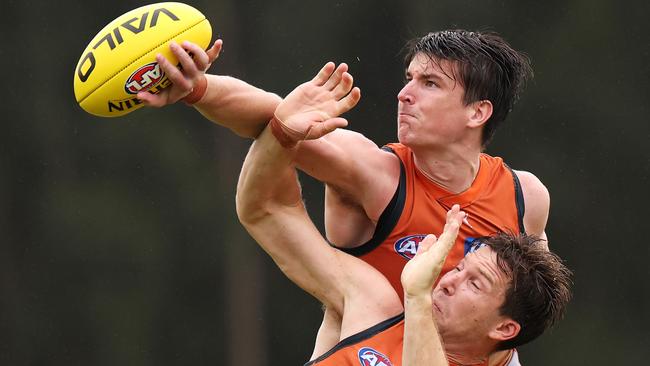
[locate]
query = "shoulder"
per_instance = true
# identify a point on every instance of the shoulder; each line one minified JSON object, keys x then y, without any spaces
{"x":536,"y":200}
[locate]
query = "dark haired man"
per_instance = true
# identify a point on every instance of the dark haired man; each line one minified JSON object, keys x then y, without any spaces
{"x":380,"y":202}
{"x":505,"y":292}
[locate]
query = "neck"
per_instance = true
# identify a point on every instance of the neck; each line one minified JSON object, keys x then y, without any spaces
{"x":465,"y":355}
{"x":452,"y":168}
{"x":464,"y":360}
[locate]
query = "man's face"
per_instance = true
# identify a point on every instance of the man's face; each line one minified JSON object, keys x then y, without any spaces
{"x":430,"y":109}
{"x":466,"y":300}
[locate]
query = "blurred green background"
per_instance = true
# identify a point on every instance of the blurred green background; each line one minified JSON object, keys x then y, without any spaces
{"x":119,"y":242}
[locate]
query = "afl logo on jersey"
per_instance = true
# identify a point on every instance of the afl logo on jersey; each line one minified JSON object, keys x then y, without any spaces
{"x":408,"y":245}
{"x":370,"y":357}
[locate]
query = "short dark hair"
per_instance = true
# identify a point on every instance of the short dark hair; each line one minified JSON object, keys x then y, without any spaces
{"x":540,"y":286}
{"x":487,"y":67}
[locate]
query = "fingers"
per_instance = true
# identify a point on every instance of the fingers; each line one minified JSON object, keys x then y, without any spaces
{"x":323,"y":75}
{"x":214,"y":51}
{"x":344,"y":85}
{"x":455,"y":215}
{"x":187,"y":62}
{"x":173,"y":73}
{"x":153,"y":100}
{"x":335,"y":78}
{"x":198,"y":57}
{"x":322,"y":129}
{"x":194,"y":61}
{"x":454,"y":219}
{"x":427,"y":243}
{"x":349,"y":101}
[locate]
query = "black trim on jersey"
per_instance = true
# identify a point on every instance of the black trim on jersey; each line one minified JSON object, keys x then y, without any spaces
{"x":388,"y":218}
{"x":359,"y":337}
{"x":519,"y":200}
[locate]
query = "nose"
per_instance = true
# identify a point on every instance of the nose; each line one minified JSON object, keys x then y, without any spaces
{"x":448,"y":284}
{"x":405,"y":95}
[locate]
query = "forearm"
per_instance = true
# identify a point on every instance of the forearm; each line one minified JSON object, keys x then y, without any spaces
{"x":269,"y":206}
{"x":267,"y":179}
{"x":422,"y":343}
{"x":237,"y":105}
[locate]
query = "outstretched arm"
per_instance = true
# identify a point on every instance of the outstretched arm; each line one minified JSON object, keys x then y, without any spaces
{"x":422,"y":343}
{"x":356,"y":171}
{"x":269,"y":205}
{"x":227,"y":101}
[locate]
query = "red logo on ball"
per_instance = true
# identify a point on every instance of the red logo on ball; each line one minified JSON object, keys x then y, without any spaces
{"x":144,"y":78}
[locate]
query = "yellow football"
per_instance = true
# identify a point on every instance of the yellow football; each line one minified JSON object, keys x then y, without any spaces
{"x":120,"y":60}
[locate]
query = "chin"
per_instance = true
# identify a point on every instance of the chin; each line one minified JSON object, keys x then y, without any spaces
{"x":404,"y":137}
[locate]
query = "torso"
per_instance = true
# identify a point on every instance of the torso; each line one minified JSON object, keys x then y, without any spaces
{"x":493,"y":203}
{"x":380,"y":345}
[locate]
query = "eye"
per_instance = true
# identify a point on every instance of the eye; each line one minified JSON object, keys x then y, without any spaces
{"x":430,"y":84}
{"x":475,"y":285}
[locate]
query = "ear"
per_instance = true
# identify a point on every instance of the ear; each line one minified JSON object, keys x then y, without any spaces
{"x":479,"y":112}
{"x":506,"y":329}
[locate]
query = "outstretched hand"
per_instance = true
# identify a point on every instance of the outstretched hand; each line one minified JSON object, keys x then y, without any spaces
{"x":194,"y":63}
{"x":420,"y":273}
{"x":312,"y":109}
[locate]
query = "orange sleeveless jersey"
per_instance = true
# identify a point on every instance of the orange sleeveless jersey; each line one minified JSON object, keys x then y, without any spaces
{"x":494,"y":203}
{"x":380,"y":345}
{"x":375,"y":346}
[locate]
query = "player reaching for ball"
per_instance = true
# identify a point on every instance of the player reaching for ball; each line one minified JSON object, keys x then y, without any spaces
{"x":505,"y":292}
{"x":380,"y":202}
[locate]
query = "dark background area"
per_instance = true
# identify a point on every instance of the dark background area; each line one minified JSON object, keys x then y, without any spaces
{"x":119,"y":242}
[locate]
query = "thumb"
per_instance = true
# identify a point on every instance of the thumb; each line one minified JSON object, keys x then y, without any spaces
{"x":427,"y":243}
{"x":152,"y":100}
{"x":325,"y":127}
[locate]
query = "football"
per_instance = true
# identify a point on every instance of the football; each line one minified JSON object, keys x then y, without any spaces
{"x":120,"y":60}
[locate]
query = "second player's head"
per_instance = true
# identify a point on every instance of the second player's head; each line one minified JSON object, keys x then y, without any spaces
{"x":506,"y":292}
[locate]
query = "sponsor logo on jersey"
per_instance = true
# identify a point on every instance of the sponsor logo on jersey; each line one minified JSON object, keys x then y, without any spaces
{"x":370,"y":357}
{"x":144,"y":78}
{"x":408,"y":245}
{"x":471,"y":245}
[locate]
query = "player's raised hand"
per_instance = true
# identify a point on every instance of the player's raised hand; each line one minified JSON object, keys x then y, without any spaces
{"x":420,"y":273}
{"x":313,"y":108}
{"x":194,"y":62}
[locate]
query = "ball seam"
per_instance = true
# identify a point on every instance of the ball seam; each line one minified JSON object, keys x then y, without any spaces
{"x":136,"y":60}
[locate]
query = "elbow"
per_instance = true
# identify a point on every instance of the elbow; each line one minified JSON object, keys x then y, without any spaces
{"x":250,"y":211}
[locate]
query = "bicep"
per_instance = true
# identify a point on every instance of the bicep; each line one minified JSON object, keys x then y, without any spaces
{"x":303,"y":255}
{"x":537,"y":203}
{"x":354,"y":165}
{"x":342,"y":282}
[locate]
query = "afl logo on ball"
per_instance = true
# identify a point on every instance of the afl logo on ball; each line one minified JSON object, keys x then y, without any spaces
{"x":144,"y":78}
{"x":370,"y":357}
{"x":408,"y":245}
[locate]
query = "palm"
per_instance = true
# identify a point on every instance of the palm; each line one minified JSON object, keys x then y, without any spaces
{"x":311,"y":110}
{"x":421,"y":272}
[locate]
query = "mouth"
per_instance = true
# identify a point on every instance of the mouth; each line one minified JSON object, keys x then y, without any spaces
{"x":437,"y":308}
